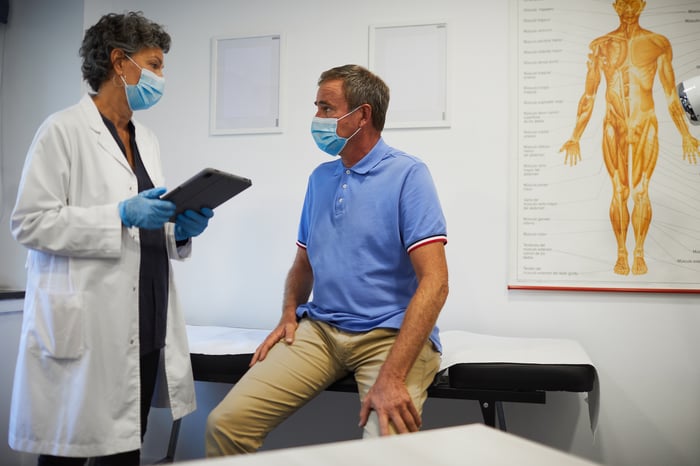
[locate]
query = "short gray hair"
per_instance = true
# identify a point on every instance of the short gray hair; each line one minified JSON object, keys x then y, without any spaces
{"x":361,"y":86}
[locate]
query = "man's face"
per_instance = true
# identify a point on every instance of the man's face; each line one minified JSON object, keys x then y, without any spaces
{"x":330,"y":100}
{"x":331,"y":103}
{"x":629,"y":10}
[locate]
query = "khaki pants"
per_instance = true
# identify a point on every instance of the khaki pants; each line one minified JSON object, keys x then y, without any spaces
{"x":291,"y":375}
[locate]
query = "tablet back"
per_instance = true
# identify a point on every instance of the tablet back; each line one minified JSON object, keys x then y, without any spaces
{"x":208,"y":188}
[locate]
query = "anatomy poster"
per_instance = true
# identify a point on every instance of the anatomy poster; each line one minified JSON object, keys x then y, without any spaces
{"x":606,"y":168}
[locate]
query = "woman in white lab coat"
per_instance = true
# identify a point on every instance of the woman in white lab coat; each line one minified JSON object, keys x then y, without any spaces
{"x":102,"y":321}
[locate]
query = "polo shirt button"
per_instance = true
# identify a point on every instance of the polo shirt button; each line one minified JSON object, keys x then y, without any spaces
{"x":345,"y":186}
{"x":340,"y":201}
{"x":347,"y":172}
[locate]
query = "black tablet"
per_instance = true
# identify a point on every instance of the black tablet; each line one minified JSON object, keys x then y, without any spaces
{"x":208,"y":188}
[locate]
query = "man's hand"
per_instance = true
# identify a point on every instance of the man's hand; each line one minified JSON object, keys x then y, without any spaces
{"x":284,"y":331}
{"x":392,"y":403}
{"x":573,"y":152}
{"x":691,"y":149}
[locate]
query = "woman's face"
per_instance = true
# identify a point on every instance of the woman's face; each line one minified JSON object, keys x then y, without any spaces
{"x":150,"y":58}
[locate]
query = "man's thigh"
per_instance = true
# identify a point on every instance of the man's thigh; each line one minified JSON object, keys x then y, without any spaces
{"x":285,"y":380}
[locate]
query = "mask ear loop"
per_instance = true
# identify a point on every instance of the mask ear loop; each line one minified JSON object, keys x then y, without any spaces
{"x":348,"y":114}
{"x":132,"y":61}
{"x":116,"y":82}
{"x":353,"y":134}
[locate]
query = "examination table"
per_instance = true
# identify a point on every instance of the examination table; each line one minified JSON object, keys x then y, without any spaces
{"x":489,"y":369}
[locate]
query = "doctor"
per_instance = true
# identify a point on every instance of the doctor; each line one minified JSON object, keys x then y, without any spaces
{"x":102,"y":322}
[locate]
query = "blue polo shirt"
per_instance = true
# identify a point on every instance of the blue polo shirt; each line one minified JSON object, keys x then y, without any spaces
{"x":358,"y":226}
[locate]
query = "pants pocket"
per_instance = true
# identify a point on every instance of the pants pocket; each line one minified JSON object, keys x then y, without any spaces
{"x":58,"y":324}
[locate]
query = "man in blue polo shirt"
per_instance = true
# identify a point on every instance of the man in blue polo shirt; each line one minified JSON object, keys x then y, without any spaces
{"x":371,"y":256}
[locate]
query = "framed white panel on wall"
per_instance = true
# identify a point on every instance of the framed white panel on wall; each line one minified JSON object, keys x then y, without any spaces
{"x":412,"y":60}
{"x":245,"y":85}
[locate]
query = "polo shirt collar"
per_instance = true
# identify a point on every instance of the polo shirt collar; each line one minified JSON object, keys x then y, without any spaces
{"x":369,"y":161}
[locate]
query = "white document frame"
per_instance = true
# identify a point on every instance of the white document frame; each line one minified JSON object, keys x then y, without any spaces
{"x":412,"y":59}
{"x":245,"y":85}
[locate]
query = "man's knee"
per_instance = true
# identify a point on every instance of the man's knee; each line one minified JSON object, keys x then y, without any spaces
{"x":214,"y":434}
{"x":214,"y":422}
{"x":222,"y":435}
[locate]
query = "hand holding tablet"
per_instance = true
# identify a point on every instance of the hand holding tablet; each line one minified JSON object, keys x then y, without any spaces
{"x":208,"y":188}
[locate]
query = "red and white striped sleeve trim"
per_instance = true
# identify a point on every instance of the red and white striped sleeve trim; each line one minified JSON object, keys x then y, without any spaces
{"x":423,"y":242}
{"x":416,"y":245}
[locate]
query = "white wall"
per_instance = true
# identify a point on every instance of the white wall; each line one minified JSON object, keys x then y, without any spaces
{"x":39,"y":73}
{"x":10,"y":324}
{"x":644,"y":345}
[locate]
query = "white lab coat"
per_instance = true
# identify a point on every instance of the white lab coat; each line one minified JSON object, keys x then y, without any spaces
{"x":76,"y":387}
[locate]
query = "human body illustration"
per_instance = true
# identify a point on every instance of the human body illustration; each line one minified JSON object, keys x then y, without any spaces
{"x":630,"y":57}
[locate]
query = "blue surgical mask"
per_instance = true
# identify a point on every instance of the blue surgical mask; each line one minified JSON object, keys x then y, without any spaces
{"x":325,"y":133}
{"x":146,"y":92}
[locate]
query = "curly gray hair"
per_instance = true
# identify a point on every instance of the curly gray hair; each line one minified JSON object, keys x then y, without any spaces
{"x":130,"y":32}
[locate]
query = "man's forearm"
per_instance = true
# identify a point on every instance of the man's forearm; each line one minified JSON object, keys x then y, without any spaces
{"x":298,"y":285}
{"x":420,"y":319}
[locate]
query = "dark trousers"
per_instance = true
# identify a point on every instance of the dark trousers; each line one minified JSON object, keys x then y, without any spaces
{"x":149,"y":371}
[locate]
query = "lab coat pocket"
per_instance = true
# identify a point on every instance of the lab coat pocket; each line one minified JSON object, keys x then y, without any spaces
{"x":58,"y":324}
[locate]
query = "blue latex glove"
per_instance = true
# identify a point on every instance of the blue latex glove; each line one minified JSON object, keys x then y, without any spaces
{"x":145,"y":210}
{"x":191,"y":223}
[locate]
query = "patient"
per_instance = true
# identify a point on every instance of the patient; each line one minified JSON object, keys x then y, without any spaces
{"x":371,"y":253}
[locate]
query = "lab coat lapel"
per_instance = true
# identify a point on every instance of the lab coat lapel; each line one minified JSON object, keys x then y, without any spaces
{"x":104,"y":138}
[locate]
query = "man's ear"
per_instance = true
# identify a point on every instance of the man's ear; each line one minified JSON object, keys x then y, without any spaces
{"x":366,"y":110}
